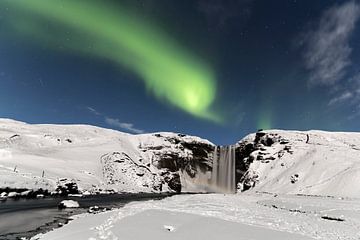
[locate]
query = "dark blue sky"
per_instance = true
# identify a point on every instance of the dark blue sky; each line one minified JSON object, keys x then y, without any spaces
{"x":278,"y":64}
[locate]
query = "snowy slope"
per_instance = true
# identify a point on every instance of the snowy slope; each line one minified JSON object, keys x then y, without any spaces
{"x":96,"y":159}
{"x":328,"y":164}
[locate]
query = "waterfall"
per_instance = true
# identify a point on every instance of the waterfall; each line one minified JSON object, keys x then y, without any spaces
{"x":223,"y":171}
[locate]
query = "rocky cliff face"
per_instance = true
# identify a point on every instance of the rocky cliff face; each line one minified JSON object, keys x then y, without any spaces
{"x":160,"y":160}
{"x":182,"y":154}
{"x":255,"y":148}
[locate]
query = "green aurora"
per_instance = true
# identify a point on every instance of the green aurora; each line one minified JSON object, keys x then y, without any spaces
{"x":169,"y":71}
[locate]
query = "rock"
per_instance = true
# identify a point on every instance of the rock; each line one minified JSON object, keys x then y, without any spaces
{"x":25,"y":193}
{"x":140,"y":172}
{"x":169,"y":228}
{"x":284,"y":141}
{"x":13,"y":195}
{"x":68,"y":204}
{"x":66,"y":187}
{"x":294,"y":178}
{"x":3,"y":196}
{"x":339,"y":219}
{"x":287,"y":148}
{"x":174,"y":182}
{"x":15,"y":136}
{"x":96,"y":209}
{"x":183,"y":154}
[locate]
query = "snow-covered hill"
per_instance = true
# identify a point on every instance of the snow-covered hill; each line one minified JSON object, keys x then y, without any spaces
{"x":96,"y":159}
{"x":294,"y":162}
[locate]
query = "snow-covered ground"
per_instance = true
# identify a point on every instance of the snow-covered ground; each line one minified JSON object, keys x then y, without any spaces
{"x":304,"y":185}
{"x":218,"y":216}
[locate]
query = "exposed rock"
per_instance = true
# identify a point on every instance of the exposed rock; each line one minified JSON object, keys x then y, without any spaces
{"x":184,"y":154}
{"x":250,"y":149}
{"x":326,"y":217}
{"x":294,"y":178}
{"x":66,"y":187}
{"x":96,"y":209}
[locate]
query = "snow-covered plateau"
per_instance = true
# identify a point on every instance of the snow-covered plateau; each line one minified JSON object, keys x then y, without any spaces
{"x":290,"y":184}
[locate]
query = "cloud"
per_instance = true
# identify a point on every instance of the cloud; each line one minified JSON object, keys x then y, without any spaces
{"x":341,"y":98}
{"x":349,"y":95}
{"x":114,"y":122}
{"x":126,"y":126}
{"x":327,"y":49}
{"x":93,"y":110}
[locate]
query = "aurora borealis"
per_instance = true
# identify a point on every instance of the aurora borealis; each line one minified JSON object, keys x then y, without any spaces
{"x":212,"y":68}
{"x":169,"y":71}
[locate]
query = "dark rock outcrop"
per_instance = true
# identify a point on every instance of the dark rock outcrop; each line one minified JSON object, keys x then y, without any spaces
{"x":185,"y":155}
{"x":254,"y":149}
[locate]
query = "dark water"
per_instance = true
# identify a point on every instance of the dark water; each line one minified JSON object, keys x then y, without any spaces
{"x":28,"y":217}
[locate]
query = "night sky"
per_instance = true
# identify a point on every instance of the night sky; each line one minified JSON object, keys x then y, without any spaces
{"x":211,"y":68}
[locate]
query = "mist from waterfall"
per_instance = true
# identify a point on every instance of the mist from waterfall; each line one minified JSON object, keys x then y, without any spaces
{"x":223,"y":170}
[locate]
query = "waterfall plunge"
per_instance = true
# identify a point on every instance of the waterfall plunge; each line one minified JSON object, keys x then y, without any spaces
{"x":223,"y":172}
{"x":222,"y":177}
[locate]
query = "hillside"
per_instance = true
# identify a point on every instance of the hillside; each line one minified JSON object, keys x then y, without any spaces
{"x":95,"y":159}
{"x":98,"y":160}
{"x":294,"y":162}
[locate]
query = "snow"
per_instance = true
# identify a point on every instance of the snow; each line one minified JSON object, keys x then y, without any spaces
{"x":13,"y":194}
{"x":219,"y":216}
{"x":69,"y":204}
{"x":99,"y":160}
{"x":302,"y":190}
{"x":329,"y":164}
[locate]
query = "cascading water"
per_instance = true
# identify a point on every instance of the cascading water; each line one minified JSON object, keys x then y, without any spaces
{"x":221,"y":179}
{"x":223,"y":172}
